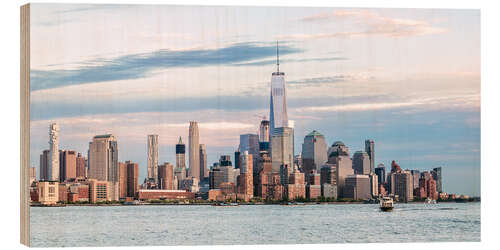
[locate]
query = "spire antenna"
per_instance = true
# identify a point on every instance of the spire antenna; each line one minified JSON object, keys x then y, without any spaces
{"x":278,"y":56}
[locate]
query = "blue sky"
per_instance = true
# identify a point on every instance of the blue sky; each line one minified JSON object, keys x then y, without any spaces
{"x":407,"y":78}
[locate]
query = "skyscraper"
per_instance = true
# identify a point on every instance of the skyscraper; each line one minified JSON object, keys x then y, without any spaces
{"x":80,"y":166}
{"x":166,"y":176}
{"x":370,"y":150}
{"x":338,"y":154}
{"x":132,"y":178}
{"x":153,"y":157}
{"x":402,"y":185}
{"x":361,"y":163}
{"x":44,"y":165}
{"x":67,"y":163}
{"x":313,"y":152}
{"x":436,"y":174}
{"x":103,"y":162}
{"x":264,"y":131}
{"x":250,"y":143}
{"x":203,"y":162}
{"x":194,"y":150}
{"x":278,"y":110}
{"x":282,"y":148}
{"x":246,"y":175}
{"x":180,"y":160}
{"x":54,"y":152}
{"x":380,"y":172}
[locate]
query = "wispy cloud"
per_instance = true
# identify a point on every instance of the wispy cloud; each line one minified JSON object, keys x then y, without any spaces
{"x":135,"y":66}
{"x":273,"y":61}
{"x":371,"y":24}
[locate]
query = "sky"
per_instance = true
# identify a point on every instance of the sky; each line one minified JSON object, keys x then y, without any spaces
{"x":407,"y":78}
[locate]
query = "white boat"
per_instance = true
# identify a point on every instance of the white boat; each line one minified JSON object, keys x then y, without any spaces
{"x":386,"y":204}
{"x":430,"y":201}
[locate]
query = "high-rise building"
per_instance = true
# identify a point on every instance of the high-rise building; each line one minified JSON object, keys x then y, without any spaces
{"x":226,"y":166}
{"x":203,"y":162}
{"x":338,"y":154}
{"x":80,"y":166}
{"x":237,"y":155}
{"x":380,"y":172}
{"x":132,"y":179}
{"x":44,"y":165}
{"x":278,"y":108}
{"x":166,"y":176}
{"x":153,"y":157}
{"x":357,"y":187}
{"x":194,"y":150}
{"x":246,"y":175}
{"x":415,"y":174}
{"x":122,"y":179}
{"x":282,"y":151}
{"x":313,"y":152}
{"x":103,"y":162}
{"x":436,"y":174}
{"x":402,"y":185}
{"x":180,"y":161}
{"x":264,"y":131}
{"x":54,"y":152}
{"x":361,"y":163}
{"x":250,"y":143}
{"x":67,"y":165}
{"x":370,"y":150}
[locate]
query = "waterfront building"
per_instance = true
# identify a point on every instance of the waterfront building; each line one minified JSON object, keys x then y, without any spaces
{"x":216,"y":177}
{"x":370,"y":150}
{"x":152,"y":166}
{"x":80,"y":166}
{"x":44,"y":165}
{"x":278,"y":106}
{"x":203,"y":162}
{"x":122,"y":180}
{"x":357,"y":187}
{"x":313,"y":191}
{"x":194,"y":150}
{"x":402,"y":185}
{"x":436,"y":174}
{"x":161,"y":194}
{"x":329,"y":190}
{"x":380,"y":172}
{"x":103,"y":163}
{"x":54,"y":152}
{"x":338,"y":154}
{"x":166,"y":176}
{"x":48,"y":192}
{"x":67,"y":165}
{"x":237,"y":155}
{"x":132,"y":178}
{"x":246,"y":175}
{"x":313,"y":152}
{"x":63,"y":192}
{"x":99,"y":191}
{"x":264,"y":132}
{"x":361,"y":163}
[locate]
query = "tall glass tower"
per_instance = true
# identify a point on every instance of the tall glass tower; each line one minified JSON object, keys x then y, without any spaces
{"x":278,"y":111}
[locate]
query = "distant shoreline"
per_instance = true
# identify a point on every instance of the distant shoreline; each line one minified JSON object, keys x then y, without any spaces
{"x":241,"y":204}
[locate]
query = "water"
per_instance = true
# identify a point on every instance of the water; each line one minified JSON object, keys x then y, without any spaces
{"x":269,"y":224}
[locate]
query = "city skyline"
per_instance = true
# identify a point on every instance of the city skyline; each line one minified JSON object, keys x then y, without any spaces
{"x":417,"y":124}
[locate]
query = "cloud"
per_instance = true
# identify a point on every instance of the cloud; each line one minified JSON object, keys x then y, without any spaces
{"x":140,"y":65}
{"x":273,"y":61}
{"x":371,"y":23}
{"x":318,"y":80}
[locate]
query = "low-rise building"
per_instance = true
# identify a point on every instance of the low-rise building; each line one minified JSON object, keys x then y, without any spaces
{"x":159,"y":194}
{"x":48,"y":192}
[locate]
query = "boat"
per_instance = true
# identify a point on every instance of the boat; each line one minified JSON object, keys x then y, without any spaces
{"x":386,"y":204}
{"x":430,"y":201}
{"x":226,"y":204}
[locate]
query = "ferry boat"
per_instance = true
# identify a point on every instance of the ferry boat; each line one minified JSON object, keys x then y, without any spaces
{"x":430,"y":201}
{"x":386,"y":204}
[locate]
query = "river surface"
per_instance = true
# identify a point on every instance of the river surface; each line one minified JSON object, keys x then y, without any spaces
{"x":260,"y":224}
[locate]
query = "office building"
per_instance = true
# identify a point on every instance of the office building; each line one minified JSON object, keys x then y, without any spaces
{"x":180,"y":160}
{"x":370,"y":150}
{"x":67,"y":165}
{"x":246,"y":176}
{"x":48,"y":192}
{"x":338,"y":154}
{"x":282,"y":148}
{"x":278,"y":107}
{"x":54,"y":152}
{"x":416,"y":177}
{"x":203,"y":162}
{"x":361,"y":163}
{"x":194,"y":150}
{"x":103,"y":163}
{"x":44,"y":165}
{"x":357,"y":187}
{"x":166,"y":176}
{"x":264,"y":132}
{"x":237,"y":155}
{"x":122,"y":180}
{"x":80,"y":166}
{"x":436,"y":174}
{"x":313,"y":152}
{"x":152,"y":166}
{"x":402,"y":185}
{"x":380,"y":172}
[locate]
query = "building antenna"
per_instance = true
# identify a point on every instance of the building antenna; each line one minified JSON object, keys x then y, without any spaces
{"x":277,"y":56}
